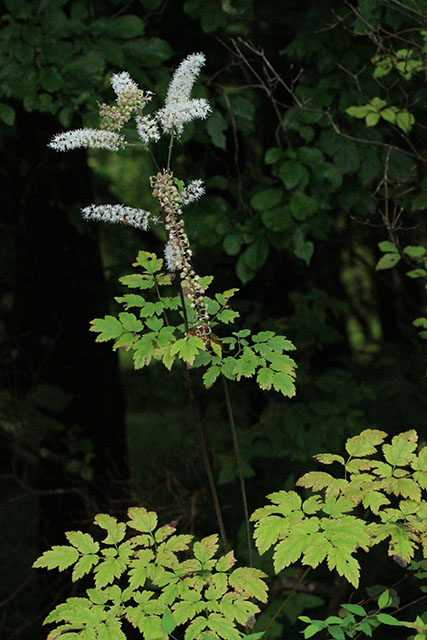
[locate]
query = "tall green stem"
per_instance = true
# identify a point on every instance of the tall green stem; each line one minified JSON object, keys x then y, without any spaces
{"x":201,"y":438}
{"x":170,"y":153}
{"x":239,"y":466}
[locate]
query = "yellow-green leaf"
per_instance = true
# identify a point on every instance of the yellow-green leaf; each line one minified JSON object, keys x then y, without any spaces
{"x":365,"y":444}
{"x":401,"y":450}
{"x":247,"y":580}
{"x":59,"y":557}
{"x":82,"y":541}
{"x":142,"y":520}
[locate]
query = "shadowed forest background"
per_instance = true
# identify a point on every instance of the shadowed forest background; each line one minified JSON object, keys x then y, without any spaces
{"x":299,"y":194}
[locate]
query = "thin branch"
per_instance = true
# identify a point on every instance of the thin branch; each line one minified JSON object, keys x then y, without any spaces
{"x":239,"y":466}
{"x":200,"y":436}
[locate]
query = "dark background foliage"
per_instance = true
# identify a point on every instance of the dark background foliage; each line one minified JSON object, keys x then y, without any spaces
{"x":298,"y":197}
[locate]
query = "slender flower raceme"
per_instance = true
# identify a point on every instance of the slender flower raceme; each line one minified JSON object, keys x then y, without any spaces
{"x":178,"y":253}
{"x":193,"y":191}
{"x":179,"y":107}
{"x":122,"y":82}
{"x":137,"y":218}
{"x":147,"y":129}
{"x":88,"y":139}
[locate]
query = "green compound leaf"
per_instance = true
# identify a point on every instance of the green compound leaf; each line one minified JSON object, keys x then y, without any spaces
{"x":138,"y":281}
{"x":187,"y":348}
{"x":142,"y":520}
{"x":149,"y":625}
{"x":115,"y":530}
{"x":365,"y":444}
{"x":316,"y":552}
{"x":226,"y":562}
{"x":265,"y":378}
{"x":401,"y":450}
{"x":206,"y":548}
{"x":59,"y":557}
{"x":196,"y":627}
{"x":130,"y":322}
{"x":82,"y":541}
{"x":108,"y":328}
{"x":315,"y":480}
{"x":148,"y":261}
{"x":223,"y":627}
{"x":168,"y":622}
{"x":345,"y":564}
{"x":126,"y":342}
{"x":107,"y":570}
{"x":84,"y":566}
{"x":329,"y":458}
{"x":211,"y":375}
{"x":248,"y":581}
{"x":284,"y":383}
{"x":131,"y":300}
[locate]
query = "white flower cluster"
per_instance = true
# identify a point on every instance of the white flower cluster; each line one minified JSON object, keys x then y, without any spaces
{"x":147,"y":129}
{"x":173,"y":256}
{"x":137,"y":218}
{"x":193,"y":191}
{"x":87,"y":138}
{"x":179,"y":107}
{"x":122,"y":82}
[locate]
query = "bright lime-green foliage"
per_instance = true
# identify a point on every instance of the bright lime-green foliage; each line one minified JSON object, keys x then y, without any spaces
{"x":158,"y":332}
{"x":329,"y":525}
{"x":158,"y":580}
{"x":165,"y":579}
{"x":378,"y":108}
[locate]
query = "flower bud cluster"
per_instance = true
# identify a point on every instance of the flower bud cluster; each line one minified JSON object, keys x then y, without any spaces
{"x":131,"y":99}
{"x":178,"y":248}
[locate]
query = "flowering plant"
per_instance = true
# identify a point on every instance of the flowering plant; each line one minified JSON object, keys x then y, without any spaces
{"x":152,"y":334}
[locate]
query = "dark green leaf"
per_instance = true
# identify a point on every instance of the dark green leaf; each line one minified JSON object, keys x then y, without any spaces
{"x":292,"y":173}
{"x":216,"y":126}
{"x":302,"y":206}
{"x":7,"y":114}
{"x":50,"y":79}
{"x":128,"y":26}
{"x":273,"y":155}
{"x":267,"y":199}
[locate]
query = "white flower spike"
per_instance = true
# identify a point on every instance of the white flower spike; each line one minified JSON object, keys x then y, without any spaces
{"x":87,"y":138}
{"x":147,"y":129}
{"x":179,"y":107}
{"x":193,"y":191}
{"x":118,"y":213}
{"x":122,"y":82}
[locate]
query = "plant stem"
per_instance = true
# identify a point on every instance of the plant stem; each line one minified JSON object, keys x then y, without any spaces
{"x":286,"y":600}
{"x":239,"y":466}
{"x":169,"y":153}
{"x":199,"y":432}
